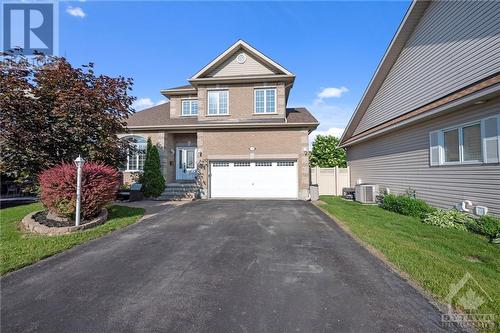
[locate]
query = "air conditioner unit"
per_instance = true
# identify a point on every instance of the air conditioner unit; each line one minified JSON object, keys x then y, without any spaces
{"x":367,"y":193}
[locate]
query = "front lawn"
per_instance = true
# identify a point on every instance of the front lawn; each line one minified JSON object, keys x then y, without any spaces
{"x":19,"y":249}
{"x":432,"y":257}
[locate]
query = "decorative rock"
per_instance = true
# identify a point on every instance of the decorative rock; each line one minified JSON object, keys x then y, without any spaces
{"x":29,"y":223}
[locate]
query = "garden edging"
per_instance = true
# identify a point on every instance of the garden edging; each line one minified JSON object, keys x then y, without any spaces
{"x":29,"y":223}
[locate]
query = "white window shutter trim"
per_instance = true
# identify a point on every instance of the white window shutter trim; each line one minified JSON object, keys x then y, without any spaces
{"x":435,"y":148}
{"x":490,"y":130}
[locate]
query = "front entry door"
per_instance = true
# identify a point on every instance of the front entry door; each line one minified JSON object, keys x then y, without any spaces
{"x":185,"y":163}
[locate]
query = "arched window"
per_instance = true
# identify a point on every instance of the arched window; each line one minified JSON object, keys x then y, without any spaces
{"x":136,"y":153}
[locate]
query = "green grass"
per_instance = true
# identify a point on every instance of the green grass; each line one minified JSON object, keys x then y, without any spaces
{"x":432,"y":257}
{"x":19,"y":249}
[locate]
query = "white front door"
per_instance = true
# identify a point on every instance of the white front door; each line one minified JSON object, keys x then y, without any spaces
{"x":254,"y":179}
{"x":185,"y":163}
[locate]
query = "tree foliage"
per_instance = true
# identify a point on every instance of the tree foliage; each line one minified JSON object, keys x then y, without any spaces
{"x":151,"y":178}
{"x":51,"y":112}
{"x":326,"y":152}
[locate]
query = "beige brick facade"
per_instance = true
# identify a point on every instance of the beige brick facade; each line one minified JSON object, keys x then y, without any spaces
{"x":269,"y":145}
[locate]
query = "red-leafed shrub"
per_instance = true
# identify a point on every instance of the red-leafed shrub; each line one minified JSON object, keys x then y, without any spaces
{"x":58,"y":188}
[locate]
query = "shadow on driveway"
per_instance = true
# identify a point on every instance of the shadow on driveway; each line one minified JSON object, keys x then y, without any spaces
{"x":218,"y":266}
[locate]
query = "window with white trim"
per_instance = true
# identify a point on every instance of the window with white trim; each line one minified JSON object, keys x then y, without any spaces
{"x":265,"y":100}
{"x":285,"y":163}
{"x":218,"y":101}
{"x":136,"y":153}
{"x":189,"y":107}
{"x":474,"y":142}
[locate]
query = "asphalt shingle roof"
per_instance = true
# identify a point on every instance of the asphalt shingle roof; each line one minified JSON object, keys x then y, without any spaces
{"x":159,"y":115}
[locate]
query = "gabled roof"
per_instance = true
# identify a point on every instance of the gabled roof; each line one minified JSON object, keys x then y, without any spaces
{"x":240,"y":44}
{"x":406,"y":28}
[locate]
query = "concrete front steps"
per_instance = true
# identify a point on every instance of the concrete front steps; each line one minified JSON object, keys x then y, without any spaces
{"x":179,"y":191}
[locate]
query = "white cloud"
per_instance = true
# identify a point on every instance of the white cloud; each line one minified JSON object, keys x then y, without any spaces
{"x":142,"y":103}
{"x":146,"y":102}
{"x":335,"y":131}
{"x":75,"y":11}
{"x":331,"y":92}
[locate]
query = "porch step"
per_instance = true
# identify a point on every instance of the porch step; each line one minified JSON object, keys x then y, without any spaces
{"x":179,"y":191}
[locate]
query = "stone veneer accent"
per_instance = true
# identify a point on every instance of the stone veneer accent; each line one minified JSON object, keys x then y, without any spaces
{"x":29,"y":223}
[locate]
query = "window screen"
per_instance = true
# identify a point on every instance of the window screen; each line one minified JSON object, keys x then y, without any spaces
{"x":472,"y":143}
{"x":451,"y":151}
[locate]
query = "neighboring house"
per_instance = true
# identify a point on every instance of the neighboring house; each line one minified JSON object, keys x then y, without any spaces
{"x":430,"y":117}
{"x":230,"y":130}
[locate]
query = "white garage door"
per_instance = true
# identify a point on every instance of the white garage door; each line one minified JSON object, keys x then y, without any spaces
{"x":250,"y":179}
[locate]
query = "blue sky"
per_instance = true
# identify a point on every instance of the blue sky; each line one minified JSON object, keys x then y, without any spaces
{"x":332,"y":47}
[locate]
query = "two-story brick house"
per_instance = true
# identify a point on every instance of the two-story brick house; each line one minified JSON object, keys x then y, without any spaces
{"x":230,"y":130}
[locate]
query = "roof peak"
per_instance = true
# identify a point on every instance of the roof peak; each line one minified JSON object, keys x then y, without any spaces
{"x":240,"y":43}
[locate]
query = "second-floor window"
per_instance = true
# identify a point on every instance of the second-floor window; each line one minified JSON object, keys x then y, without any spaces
{"x":218,"y":102}
{"x":189,"y":107}
{"x":265,"y":101}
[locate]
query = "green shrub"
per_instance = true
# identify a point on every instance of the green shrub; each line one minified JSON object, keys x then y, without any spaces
{"x":449,"y":219}
{"x":486,"y":225}
{"x":151,"y":178}
{"x":406,"y":205}
{"x":65,"y":207}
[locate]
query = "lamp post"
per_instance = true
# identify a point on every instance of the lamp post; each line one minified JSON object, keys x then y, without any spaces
{"x":79,"y":165}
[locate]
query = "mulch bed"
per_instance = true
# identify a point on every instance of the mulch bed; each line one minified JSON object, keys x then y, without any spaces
{"x":41,"y":217}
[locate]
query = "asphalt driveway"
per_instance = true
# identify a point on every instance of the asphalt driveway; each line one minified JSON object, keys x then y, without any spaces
{"x":217,"y":266}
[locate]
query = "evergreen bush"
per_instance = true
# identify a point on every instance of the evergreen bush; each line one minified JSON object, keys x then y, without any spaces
{"x":151,"y":178}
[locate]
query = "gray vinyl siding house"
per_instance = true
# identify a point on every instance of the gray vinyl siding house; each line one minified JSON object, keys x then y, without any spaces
{"x":430,"y":117}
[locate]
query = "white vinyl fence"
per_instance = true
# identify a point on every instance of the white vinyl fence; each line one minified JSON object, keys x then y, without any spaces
{"x":330,"y":180}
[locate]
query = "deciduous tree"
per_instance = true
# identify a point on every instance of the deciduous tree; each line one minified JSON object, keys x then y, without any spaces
{"x":326,"y":152}
{"x":52,"y":111}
